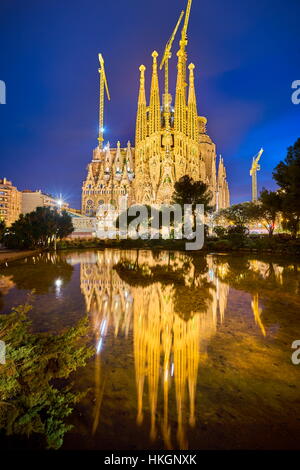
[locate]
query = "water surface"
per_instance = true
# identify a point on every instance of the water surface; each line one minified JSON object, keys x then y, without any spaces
{"x":190,"y":351}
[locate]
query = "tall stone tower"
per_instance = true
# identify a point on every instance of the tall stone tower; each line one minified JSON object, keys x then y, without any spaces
{"x":169,"y":142}
{"x":172,"y":141}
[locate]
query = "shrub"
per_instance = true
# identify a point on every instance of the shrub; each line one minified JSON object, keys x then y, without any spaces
{"x":237,"y":235}
{"x":220,"y":231}
{"x":220,"y":245}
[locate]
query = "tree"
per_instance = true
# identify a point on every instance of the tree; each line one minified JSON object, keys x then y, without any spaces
{"x":238,"y":214}
{"x":220,"y":231}
{"x":139,"y":210}
{"x":38,"y":229}
{"x":2,"y":229}
{"x":287,"y":176}
{"x":35,"y":395}
{"x":268,"y":209}
{"x":64,"y":225}
{"x":154,"y":218}
{"x":188,"y":191}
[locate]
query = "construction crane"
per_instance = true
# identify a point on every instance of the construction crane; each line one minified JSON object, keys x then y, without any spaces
{"x":186,"y":22}
{"x":183,"y":42}
{"x":253,"y":172}
{"x":103,"y":84}
{"x":165,"y":62}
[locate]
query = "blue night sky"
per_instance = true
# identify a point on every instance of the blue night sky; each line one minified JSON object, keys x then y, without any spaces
{"x":246,"y":54}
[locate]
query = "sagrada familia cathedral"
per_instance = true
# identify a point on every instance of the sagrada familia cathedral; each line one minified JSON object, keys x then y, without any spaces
{"x":170,"y":141}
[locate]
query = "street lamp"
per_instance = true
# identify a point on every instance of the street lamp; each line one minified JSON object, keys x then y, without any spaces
{"x":60,"y":203}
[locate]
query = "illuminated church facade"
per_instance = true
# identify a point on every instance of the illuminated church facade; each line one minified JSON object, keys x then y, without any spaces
{"x":170,"y":141}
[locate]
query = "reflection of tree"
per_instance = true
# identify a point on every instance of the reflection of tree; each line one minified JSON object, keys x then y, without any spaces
{"x":254,"y":275}
{"x":191,"y":300}
{"x":262,"y":278}
{"x":30,"y":402}
{"x":188,"y":278}
{"x":40,"y":273}
{"x":6,"y":284}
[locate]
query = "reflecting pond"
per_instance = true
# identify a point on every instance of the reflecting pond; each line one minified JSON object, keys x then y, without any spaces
{"x":175,"y":350}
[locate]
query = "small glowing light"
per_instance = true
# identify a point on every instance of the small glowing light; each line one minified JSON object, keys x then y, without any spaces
{"x":59,"y":202}
{"x":99,"y":346}
{"x":102,"y":328}
{"x":58,"y":283}
{"x":172,"y":369}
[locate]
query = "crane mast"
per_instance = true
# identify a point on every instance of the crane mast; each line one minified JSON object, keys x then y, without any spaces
{"x":253,"y":172}
{"x":165,"y":62}
{"x":183,"y":42}
{"x":186,"y":22}
{"x":103,"y":85}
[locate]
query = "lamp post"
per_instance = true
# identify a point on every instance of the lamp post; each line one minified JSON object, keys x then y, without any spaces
{"x":59,"y":204}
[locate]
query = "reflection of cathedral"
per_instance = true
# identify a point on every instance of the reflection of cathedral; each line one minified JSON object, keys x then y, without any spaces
{"x":170,"y":141}
{"x":167,"y":347}
{"x":108,"y":299}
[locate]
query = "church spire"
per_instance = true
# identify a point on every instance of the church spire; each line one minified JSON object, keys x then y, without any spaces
{"x":141,"y":118}
{"x":180,"y":99}
{"x":192,"y":130}
{"x":118,"y":162}
{"x":107,"y":162}
{"x":154,"y":108}
{"x":129,"y":161}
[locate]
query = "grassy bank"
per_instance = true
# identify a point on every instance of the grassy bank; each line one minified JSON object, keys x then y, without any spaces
{"x":249,"y":244}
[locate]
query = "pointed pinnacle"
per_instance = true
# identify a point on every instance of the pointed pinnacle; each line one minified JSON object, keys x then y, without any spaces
{"x":154,"y":55}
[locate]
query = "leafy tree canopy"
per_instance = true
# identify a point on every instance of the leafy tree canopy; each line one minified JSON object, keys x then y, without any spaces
{"x":287,"y":176}
{"x":2,"y":229}
{"x":31,"y":402}
{"x":188,"y":191}
{"x":38,"y":229}
{"x":268,"y":209}
{"x":237,"y":214}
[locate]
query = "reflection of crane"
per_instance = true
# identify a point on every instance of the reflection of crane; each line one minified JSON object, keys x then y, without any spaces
{"x":165,"y":62}
{"x":103,"y":83}
{"x":253,"y":172}
{"x":257,"y":313}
